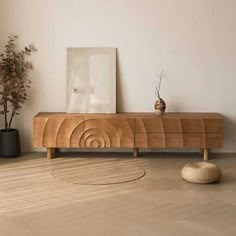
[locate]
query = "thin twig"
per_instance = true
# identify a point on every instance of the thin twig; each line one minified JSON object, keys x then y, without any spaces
{"x":157,"y":92}
{"x":5,"y":113}
{"x":12,"y":115}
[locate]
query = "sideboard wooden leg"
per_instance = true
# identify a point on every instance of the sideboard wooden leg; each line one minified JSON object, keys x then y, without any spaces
{"x":205,"y":154}
{"x":135,"y":152}
{"x":50,"y":152}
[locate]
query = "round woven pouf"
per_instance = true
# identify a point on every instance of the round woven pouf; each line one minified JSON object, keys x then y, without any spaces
{"x":201,"y":172}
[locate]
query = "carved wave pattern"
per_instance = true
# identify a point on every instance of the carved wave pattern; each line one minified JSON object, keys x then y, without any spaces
{"x":106,"y":133}
{"x":80,"y":132}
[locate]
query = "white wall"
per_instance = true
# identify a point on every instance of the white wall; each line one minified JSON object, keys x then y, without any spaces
{"x":193,"y":40}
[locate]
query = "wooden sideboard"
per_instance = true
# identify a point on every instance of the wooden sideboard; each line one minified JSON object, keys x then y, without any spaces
{"x":128,"y":130}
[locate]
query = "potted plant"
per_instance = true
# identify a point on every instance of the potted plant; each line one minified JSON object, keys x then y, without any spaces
{"x":14,"y":83}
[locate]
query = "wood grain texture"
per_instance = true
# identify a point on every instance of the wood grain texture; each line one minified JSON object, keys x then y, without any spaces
{"x":36,"y":203}
{"x":83,"y":131}
{"x":180,"y":131}
{"x":129,"y":130}
{"x":50,"y":153}
{"x":109,"y":132}
{"x":58,"y":131}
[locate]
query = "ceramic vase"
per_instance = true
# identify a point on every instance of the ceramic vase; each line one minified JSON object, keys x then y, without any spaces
{"x":160,"y":107}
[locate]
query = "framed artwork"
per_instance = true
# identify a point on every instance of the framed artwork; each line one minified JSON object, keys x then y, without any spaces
{"x":91,"y":80}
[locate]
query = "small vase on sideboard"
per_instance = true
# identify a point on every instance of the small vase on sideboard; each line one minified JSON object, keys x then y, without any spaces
{"x":160,"y":106}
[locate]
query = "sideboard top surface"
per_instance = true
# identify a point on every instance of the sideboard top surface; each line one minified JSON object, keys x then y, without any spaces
{"x":180,"y":115}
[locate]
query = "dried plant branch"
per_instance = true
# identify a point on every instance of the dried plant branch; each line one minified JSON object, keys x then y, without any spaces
{"x":157,"y":91}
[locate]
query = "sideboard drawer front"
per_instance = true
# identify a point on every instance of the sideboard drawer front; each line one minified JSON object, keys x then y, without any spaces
{"x":147,"y":125}
{"x":150,"y":140}
{"x":39,"y":124}
{"x":51,"y":131}
{"x":172,"y":125}
{"x":196,"y":140}
{"x":57,"y":131}
{"x":173,"y":140}
{"x":70,"y":132}
{"x":109,"y":132}
{"x":158,"y":140}
{"x":179,"y":125}
{"x":158,"y":125}
{"x":214,"y":140}
{"x":214,"y":125}
{"x":192,"y":125}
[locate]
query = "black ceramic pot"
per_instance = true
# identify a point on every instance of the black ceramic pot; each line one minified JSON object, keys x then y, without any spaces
{"x":9,"y":143}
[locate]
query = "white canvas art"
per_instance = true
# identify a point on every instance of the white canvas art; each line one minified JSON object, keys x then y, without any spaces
{"x":91,"y":80}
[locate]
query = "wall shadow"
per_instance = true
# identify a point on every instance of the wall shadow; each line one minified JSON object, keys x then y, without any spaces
{"x":119,"y":97}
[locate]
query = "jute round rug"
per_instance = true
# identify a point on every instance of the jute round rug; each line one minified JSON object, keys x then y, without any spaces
{"x":96,"y":171}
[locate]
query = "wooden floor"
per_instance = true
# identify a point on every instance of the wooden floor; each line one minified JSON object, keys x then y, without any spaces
{"x":36,"y":198}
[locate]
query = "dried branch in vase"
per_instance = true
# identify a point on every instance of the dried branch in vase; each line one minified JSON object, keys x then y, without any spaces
{"x":160,"y":105}
{"x":161,"y":77}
